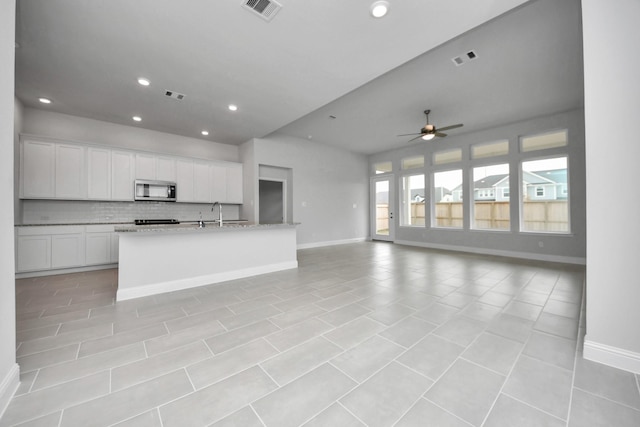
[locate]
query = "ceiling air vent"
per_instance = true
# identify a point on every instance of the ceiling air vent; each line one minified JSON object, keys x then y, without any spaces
{"x":174,"y":95}
{"x":463,"y":59}
{"x":266,"y":9}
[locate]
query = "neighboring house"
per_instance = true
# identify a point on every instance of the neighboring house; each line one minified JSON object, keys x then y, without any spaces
{"x":538,"y":185}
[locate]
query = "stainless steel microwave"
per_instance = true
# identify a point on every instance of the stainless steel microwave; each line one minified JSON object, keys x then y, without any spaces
{"x":163,"y":191}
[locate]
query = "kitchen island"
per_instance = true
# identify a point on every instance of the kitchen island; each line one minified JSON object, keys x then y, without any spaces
{"x":165,"y":258}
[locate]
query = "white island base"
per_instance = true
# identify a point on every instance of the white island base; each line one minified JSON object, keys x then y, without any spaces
{"x":172,"y":258}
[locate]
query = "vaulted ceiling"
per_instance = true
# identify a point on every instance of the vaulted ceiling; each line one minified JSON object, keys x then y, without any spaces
{"x":320,"y":70}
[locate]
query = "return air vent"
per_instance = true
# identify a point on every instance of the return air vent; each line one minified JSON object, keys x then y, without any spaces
{"x":174,"y":95}
{"x":266,"y":9}
{"x":463,"y":59}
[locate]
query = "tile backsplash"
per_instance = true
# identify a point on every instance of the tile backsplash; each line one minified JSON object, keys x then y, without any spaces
{"x":69,"y":212}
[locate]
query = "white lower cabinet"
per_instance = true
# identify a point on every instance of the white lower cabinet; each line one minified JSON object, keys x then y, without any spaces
{"x":67,"y":250}
{"x":33,"y":253}
{"x":98,"y":244}
{"x":41,"y":248}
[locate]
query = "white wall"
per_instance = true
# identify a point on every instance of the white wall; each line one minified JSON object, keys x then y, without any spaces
{"x":330,"y":188}
{"x":9,"y":371}
{"x":80,"y":129}
{"x":612,"y":108}
{"x":561,"y":248}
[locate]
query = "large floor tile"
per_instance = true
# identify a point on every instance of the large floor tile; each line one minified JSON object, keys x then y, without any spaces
{"x":539,"y":384}
{"x":460,"y":330}
{"x":228,"y":340}
{"x":363,"y":360}
{"x":594,"y":411}
{"x":335,"y":415}
{"x":508,"y":412}
{"x":217,"y":401}
{"x":353,"y":333}
{"x":467,"y":391}
{"x":299,"y":360}
{"x":42,"y":402}
{"x":432,"y":356}
{"x":386,"y":396}
{"x":213,"y":369}
{"x":304,"y":398}
{"x":124,"y":404}
{"x":245,"y":417}
{"x":408,"y":332}
{"x":551,"y":349}
{"x":297,"y":334}
{"x":605,"y":381}
{"x":494,"y":352}
{"x":426,"y":414}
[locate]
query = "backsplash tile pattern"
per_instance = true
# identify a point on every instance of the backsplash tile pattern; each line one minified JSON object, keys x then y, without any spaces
{"x":69,"y":212}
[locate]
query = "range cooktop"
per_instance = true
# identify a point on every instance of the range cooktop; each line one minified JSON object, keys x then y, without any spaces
{"x":155,"y":221}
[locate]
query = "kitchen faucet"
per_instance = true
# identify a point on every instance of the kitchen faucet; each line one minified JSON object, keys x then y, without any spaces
{"x":219,"y":211}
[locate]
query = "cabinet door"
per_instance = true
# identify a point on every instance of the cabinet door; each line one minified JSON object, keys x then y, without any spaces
{"x":33,"y":253}
{"x":184,"y":180}
{"x":115,"y":248}
{"x":166,"y":169}
{"x":98,"y":173}
{"x":234,"y":184}
{"x":122,"y":175}
{"x":97,"y":248}
{"x":67,"y":250}
{"x":219,"y":183}
{"x":145,"y":166}
{"x":201,"y":182}
{"x":38,"y":169}
{"x":70,"y":172}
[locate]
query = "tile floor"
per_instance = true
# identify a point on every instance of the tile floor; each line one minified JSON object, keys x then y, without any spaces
{"x":367,"y":334}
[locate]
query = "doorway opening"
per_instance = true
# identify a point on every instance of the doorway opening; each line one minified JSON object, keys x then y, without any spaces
{"x":272,"y":205}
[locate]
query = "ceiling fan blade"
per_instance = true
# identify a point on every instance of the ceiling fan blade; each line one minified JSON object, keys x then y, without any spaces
{"x":409,"y":134}
{"x":440,"y":134}
{"x":450,"y":127}
{"x":417,"y":137}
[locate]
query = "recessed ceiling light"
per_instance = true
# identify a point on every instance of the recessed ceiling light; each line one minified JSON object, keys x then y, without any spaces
{"x":44,"y":100}
{"x":137,"y":118}
{"x":233,"y":107}
{"x":205,"y":132}
{"x":379,"y":9}
{"x":143,"y":81}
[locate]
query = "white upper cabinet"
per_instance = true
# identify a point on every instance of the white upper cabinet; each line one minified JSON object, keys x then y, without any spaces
{"x":201,"y":182}
{"x":166,"y":168}
{"x":122,"y":164}
{"x":234,"y":183}
{"x":75,"y":171}
{"x":37,"y":171}
{"x":98,"y":173}
{"x":70,"y":173}
{"x":219,"y":183}
{"x":145,"y":166}
{"x":185,"y":180}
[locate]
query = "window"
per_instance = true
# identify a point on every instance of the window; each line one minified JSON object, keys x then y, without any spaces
{"x":383,"y":167}
{"x":413,"y":162}
{"x":446,"y":205}
{"x":412,"y":201}
{"x":491,"y":149}
{"x":490,"y":207}
{"x":382,"y":207}
{"x":448,"y":156}
{"x":543,"y":141}
{"x":505,"y":193}
{"x":545,"y":196}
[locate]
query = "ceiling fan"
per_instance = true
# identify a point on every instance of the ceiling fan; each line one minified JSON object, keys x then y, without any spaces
{"x":430,"y":131}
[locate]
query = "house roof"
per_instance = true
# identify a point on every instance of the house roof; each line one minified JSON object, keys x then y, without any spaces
{"x":314,"y":60}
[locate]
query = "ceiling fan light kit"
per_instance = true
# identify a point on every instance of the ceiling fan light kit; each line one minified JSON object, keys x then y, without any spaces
{"x":379,"y":8}
{"x":429,"y":131}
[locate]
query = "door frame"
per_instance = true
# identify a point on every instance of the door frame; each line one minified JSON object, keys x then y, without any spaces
{"x":373,"y":209}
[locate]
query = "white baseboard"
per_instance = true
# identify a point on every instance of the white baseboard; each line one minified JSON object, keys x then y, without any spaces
{"x":330,"y":243}
{"x":8,"y":387}
{"x":193,"y":282}
{"x":612,"y":356}
{"x":496,"y":252}
{"x":65,"y":271}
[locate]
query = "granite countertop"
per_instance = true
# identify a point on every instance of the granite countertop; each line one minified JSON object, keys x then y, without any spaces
{"x":187,"y":222}
{"x":193,"y":227}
